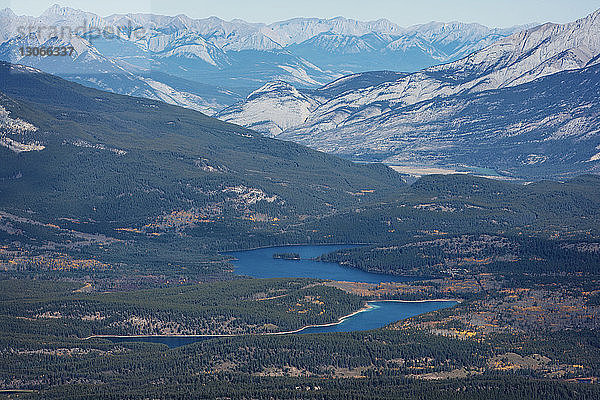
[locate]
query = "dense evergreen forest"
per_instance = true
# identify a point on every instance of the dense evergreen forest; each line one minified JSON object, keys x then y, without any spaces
{"x":119,"y":224}
{"x":468,"y":254}
{"x":384,"y":363}
{"x":238,"y":307}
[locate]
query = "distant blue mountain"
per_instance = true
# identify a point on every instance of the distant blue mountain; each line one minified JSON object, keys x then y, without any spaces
{"x":145,"y":53}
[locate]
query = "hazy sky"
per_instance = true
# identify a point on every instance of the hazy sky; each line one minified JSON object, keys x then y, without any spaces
{"x":497,"y":13}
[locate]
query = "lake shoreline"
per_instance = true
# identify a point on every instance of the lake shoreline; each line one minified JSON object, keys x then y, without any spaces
{"x":365,"y":308}
{"x":260,"y":264}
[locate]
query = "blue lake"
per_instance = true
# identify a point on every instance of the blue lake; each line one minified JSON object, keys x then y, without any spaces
{"x":260,"y":263}
{"x":380,"y":314}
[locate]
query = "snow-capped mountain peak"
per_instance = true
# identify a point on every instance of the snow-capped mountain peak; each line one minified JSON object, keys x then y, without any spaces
{"x":234,"y":56}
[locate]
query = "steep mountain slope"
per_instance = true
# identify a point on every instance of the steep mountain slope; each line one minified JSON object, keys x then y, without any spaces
{"x":272,"y":109}
{"x":378,"y":118}
{"x":546,"y":128}
{"x":75,"y":152}
{"x":236,"y":56}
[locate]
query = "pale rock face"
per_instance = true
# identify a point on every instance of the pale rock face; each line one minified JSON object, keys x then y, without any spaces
{"x":184,"y":45}
{"x":272,"y":109}
{"x":298,"y":30}
{"x":249,"y":195}
{"x":10,"y":125}
{"x":12,"y":129}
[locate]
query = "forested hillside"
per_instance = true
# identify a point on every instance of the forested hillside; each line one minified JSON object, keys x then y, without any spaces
{"x":107,"y":157}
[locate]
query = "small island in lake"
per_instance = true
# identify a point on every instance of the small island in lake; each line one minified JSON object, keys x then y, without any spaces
{"x":287,"y":256}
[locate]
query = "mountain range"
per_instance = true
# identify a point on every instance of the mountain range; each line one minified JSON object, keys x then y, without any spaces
{"x":516,"y":102}
{"x":521,"y":106}
{"x":209,"y":64}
